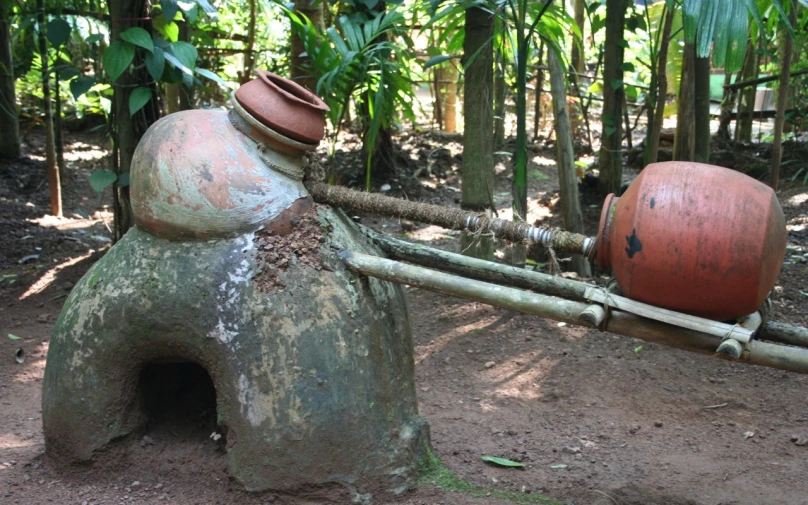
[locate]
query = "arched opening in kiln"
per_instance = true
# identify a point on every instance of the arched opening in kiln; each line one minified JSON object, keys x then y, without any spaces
{"x":178,"y":401}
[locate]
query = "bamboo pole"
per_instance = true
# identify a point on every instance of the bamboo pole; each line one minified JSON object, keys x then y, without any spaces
{"x":784,"y":334}
{"x":793,"y":359}
{"x":550,"y":285}
{"x":489,"y":271}
{"x":477,"y":268}
{"x":453,"y":219}
{"x":493,"y":294}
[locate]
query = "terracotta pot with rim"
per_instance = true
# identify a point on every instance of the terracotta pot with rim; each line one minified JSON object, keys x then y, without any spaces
{"x":284,"y":106}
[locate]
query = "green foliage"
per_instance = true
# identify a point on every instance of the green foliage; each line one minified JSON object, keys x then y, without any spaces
{"x":81,"y":85}
{"x":722,"y":27}
{"x":139,"y":37}
{"x":361,"y":59}
{"x":155,"y":63}
{"x":117,"y":58}
{"x":138,"y":99}
{"x":102,"y":179}
{"x":58,"y":31}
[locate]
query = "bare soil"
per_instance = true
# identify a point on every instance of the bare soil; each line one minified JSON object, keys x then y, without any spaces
{"x":596,"y":418}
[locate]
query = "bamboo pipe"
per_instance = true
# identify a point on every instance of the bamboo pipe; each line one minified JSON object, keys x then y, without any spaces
{"x":773,"y":331}
{"x":453,"y":219}
{"x":477,"y":268}
{"x":623,"y":323}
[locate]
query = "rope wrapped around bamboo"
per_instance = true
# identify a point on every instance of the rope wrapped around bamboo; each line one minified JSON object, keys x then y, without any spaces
{"x":453,"y":219}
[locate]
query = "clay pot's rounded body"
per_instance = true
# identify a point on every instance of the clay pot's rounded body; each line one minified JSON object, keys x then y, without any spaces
{"x":194,"y":175}
{"x":694,"y":238}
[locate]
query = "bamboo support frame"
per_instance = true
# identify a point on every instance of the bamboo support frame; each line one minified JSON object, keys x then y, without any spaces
{"x":547,"y":284}
{"x":577,"y":311}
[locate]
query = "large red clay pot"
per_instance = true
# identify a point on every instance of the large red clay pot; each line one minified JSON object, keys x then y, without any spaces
{"x":285,"y":106}
{"x":694,"y":238}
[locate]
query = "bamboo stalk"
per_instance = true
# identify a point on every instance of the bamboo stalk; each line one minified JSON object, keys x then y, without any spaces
{"x":783,"y":333}
{"x":793,"y":359}
{"x":477,"y":268}
{"x":548,"y":285}
{"x":535,"y":281}
{"x":492,"y":294}
{"x":453,"y":219}
{"x":714,"y":328}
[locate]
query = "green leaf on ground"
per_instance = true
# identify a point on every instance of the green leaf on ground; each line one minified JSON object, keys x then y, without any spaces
{"x":502,"y":462}
{"x":13,"y":337}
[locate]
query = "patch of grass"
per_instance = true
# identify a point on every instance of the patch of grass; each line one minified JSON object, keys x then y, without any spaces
{"x":539,"y":175}
{"x":435,"y":474}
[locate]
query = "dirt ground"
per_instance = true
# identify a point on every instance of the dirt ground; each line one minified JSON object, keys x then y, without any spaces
{"x":596,"y":418}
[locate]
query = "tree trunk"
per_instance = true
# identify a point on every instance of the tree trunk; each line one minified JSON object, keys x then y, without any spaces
{"x":518,"y":251}
{"x":684,"y":143}
{"x":54,"y":183}
{"x":172,"y":97}
{"x":302,"y":71}
{"x":727,"y":102}
{"x":577,"y":60}
{"x":178,"y":95}
{"x":249,"y":51}
{"x":565,"y":159}
{"x":450,"y":98}
{"x":577,"y":65}
{"x":437,"y":107}
{"x":539,"y":85}
{"x":127,"y":130}
{"x":662,"y":89}
{"x":627,"y":123}
{"x":782,"y":98}
{"x":384,"y":153}
{"x":477,"y":171}
{"x":57,"y":127}
{"x":499,"y":101}
{"x":9,"y":125}
{"x":701,"y":151}
{"x":611,"y":154}
{"x":746,"y":97}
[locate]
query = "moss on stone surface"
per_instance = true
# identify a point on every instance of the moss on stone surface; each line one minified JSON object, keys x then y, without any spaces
{"x":435,"y":474}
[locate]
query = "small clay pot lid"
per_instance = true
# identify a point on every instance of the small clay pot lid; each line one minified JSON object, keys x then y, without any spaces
{"x":284,"y":106}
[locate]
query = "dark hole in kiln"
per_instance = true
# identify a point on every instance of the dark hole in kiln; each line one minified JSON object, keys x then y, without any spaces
{"x":179,"y":401}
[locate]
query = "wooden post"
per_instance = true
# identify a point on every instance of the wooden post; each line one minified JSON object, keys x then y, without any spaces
{"x":684,"y":144}
{"x":782,"y":98}
{"x":54,"y":182}
{"x":565,"y":159}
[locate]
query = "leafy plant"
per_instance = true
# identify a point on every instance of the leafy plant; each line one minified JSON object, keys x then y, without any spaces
{"x":359,"y":59}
